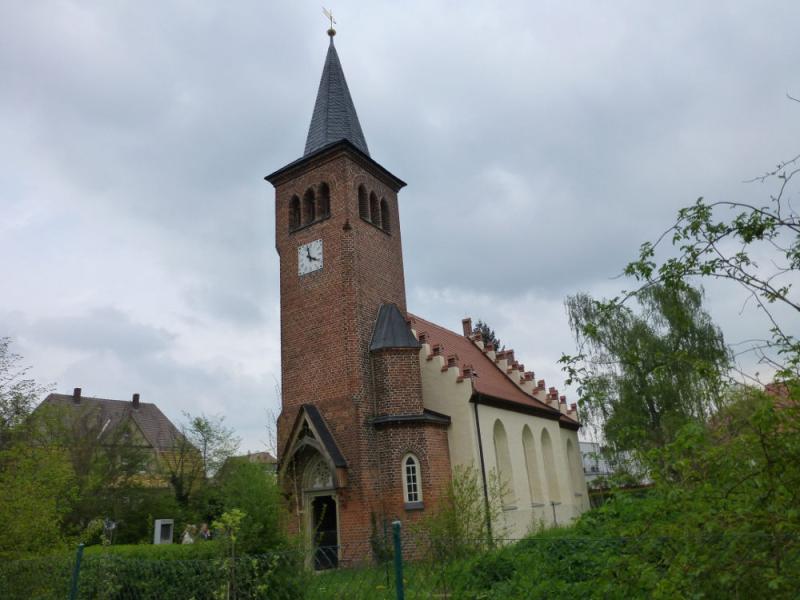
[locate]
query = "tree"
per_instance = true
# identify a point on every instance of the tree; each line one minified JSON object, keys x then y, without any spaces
{"x":487,"y":335}
{"x":106,"y":459}
{"x":18,"y":392}
{"x":712,"y":244}
{"x":644,"y":374}
{"x":198,"y":452}
{"x":214,"y":441}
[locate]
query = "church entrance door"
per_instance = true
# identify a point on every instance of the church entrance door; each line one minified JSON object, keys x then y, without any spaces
{"x":326,"y":532}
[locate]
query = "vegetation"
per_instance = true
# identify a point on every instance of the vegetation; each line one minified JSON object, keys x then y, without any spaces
{"x":487,"y":335}
{"x":644,"y":374}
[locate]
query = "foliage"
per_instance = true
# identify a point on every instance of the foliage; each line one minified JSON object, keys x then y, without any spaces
{"x":465,"y":520}
{"x":18,"y":392}
{"x":107,"y":462}
{"x":201,"y":449}
{"x":37,"y":489}
{"x":215,"y":442}
{"x":758,"y":247}
{"x":645,"y":374}
{"x":487,"y":335}
{"x":250,"y":488}
{"x":721,"y":521}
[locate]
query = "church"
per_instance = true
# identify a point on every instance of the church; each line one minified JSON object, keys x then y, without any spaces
{"x":380,"y":406}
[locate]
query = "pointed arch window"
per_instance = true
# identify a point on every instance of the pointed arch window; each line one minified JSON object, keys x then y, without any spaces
{"x":374,"y":210}
{"x":294,"y":213}
{"x":386,"y":223}
{"x":363,"y":203}
{"x":324,"y":200}
{"x":309,"y":207}
{"x":412,"y":480}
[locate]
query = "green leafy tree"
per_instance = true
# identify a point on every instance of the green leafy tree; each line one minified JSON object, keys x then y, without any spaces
{"x":644,"y":374}
{"x":253,"y":490}
{"x":37,"y":492}
{"x":18,"y":392}
{"x":215,"y":442}
{"x":754,"y":245}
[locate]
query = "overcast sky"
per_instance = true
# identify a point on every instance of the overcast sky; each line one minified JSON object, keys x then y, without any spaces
{"x":542,"y":142}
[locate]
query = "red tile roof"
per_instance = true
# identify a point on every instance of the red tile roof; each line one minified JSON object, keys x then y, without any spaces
{"x":489,"y":380}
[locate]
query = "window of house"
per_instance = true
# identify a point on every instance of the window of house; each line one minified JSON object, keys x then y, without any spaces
{"x":412,"y":481}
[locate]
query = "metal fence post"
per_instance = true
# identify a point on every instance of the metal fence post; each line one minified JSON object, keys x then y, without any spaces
{"x":76,"y":571}
{"x":398,"y":561}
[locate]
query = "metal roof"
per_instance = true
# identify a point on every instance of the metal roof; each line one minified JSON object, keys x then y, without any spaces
{"x":334,"y":116}
{"x":391,"y":330}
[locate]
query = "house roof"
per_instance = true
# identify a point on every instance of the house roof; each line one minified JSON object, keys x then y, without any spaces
{"x":334,"y":117}
{"x":489,"y":382}
{"x":157,"y":429}
{"x":391,"y":330}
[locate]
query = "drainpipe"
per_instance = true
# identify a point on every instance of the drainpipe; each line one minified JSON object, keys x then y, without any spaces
{"x":483,"y":474}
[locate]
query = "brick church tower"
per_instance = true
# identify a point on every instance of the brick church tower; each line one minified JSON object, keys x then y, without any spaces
{"x":356,"y":446}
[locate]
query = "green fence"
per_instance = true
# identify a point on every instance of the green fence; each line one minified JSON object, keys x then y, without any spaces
{"x":545,"y":566}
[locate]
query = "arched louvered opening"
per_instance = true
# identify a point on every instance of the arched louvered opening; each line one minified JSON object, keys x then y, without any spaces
{"x":309,"y":207}
{"x":363,"y":203}
{"x":412,"y":479}
{"x":503,"y":463}
{"x":294,"y":213}
{"x":374,"y":209}
{"x":575,"y":468}
{"x":324,"y":200}
{"x":534,"y":483}
{"x":386,"y":219}
{"x":553,"y":493}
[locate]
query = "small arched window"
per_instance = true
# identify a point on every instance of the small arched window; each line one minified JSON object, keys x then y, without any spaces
{"x":374,"y":210}
{"x":309,"y":207}
{"x":412,"y":479}
{"x":363,"y":203}
{"x":294,"y":213}
{"x":386,"y":224}
{"x":324,"y":200}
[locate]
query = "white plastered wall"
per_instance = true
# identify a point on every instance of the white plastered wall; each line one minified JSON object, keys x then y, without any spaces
{"x":442,"y":392}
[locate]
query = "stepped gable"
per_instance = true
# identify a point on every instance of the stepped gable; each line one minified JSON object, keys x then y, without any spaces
{"x":489,"y":379}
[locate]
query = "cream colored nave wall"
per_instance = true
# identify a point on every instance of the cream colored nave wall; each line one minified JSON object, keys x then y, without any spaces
{"x":537,"y":459}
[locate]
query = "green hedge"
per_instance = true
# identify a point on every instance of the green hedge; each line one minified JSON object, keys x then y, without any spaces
{"x":165,"y":572}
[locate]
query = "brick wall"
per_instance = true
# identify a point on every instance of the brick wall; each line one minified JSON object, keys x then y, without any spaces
{"x":327,"y":319}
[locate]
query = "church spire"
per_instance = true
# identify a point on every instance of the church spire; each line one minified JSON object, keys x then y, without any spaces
{"x":334,"y":116}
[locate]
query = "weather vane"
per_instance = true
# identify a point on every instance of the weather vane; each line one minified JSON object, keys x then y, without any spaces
{"x":329,"y":15}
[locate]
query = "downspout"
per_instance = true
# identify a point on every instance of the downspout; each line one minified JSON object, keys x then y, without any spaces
{"x":483,"y":473}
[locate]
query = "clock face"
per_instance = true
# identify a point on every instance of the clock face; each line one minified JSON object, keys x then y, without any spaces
{"x":309,"y":257}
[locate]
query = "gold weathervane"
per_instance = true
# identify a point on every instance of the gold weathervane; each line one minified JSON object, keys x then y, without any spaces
{"x":329,"y":15}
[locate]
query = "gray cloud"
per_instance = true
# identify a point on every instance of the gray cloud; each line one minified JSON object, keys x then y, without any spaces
{"x":542,"y":144}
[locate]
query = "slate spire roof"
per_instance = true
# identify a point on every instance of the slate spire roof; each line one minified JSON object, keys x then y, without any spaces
{"x":334,"y":116}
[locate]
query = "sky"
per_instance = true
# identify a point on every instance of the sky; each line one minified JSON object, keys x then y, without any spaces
{"x":542,"y":143}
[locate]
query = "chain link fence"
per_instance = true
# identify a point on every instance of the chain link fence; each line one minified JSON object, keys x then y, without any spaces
{"x":548,"y":566}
